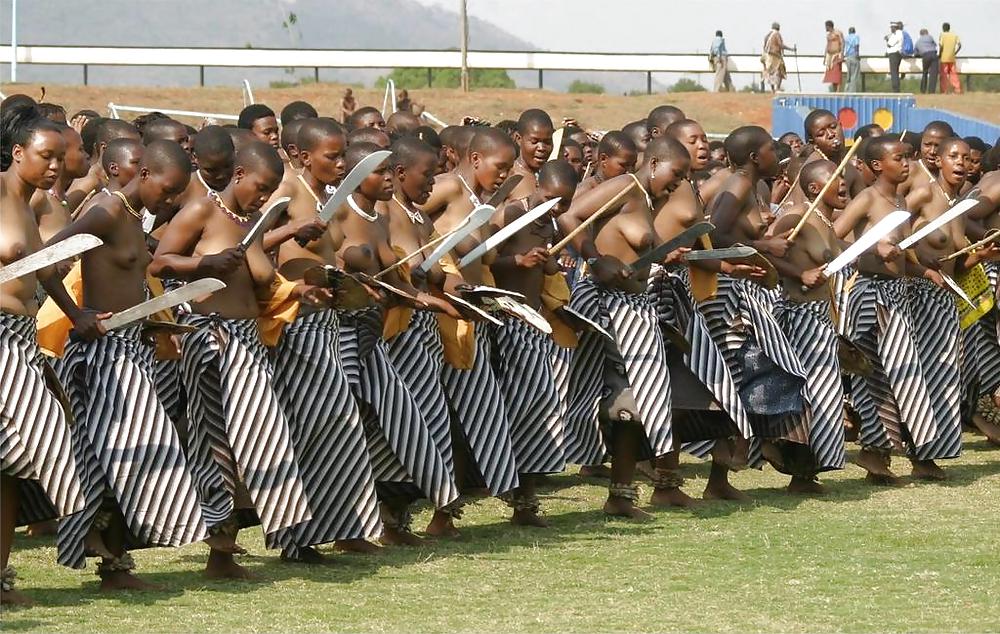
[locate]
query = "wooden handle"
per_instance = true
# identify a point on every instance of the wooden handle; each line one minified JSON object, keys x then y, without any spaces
{"x":992,"y":236}
{"x":822,"y":192}
{"x":593,"y":217}
{"x":409,"y":256}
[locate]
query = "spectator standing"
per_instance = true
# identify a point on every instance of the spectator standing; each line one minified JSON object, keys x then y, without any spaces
{"x":773,"y":57}
{"x":852,"y":56}
{"x":834,"y":57}
{"x":950,"y":46}
{"x":719,"y":58}
{"x":347,"y":105}
{"x":927,"y":49}
{"x":894,"y":51}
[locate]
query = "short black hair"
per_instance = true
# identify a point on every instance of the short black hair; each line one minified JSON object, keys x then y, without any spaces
{"x":117,"y":149}
{"x":558,"y":173}
{"x":290,"y":132}
{"x":313,"y":131}
{"x":259,"y":154}
{"x":366,"y":134}
{"x":143,"y":120}
{"x":239,"y":136}
{"x":354,"y":121}
{"x":402,"y":122}
{"x":297,"y":110}
{"x":52,"y":111}
{"x":812,"y":172}
{"x":878,"y":146}
{"x":533,"y":117}
{"x":458,"y":138}
{"x":976,"y":143}
{"x":615,"y":142}
{"x":407,"y":150}
{"x":939,"y":127}
{"x":781,"y":139}
{"x":718,"y":34}
{"x":812,"y":117}
{"x":89,"y":133}
{"x":158,"y":129}
{"x":674,"y":129}
{"x":871,"y":129}
{"x":429,"y":136}
{"x":213,"y":140}
{"x":946,"y":27}
{"x":743,"y":141}
{"x":662,"y":116}
{"x":356,"y":152}
{"x":667,"y":148}
{"x":110,"y":129}
{"x":828,"y":23}
{"x":489,"y":139}
{"x":161,"y":154}
{"x":251,"y":113}
{"x":850,"y":29}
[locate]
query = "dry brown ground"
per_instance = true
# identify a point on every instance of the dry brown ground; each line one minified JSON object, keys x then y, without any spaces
{"x":718,"y":112}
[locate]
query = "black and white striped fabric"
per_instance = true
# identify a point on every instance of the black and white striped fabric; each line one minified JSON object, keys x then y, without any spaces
{"x":127,"y":446}
{"x":522,"y":357}
{"x":937,"y":335}
{"x":35,"y":440}
{"x":327,"y":434}
{"x":478,"y":407}
{"x":893,"y":403}
{"x":238,"y":437}
{"x":418,"y":356}
{"x":585,"y":443}
{"x":812,"y":335}
{"x":400,"y":444}
{"x":988,"y":353}
{"x":740,"y":312}
{"x":670,"y":291}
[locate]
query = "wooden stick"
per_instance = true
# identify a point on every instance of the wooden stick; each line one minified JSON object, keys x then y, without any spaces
{"x":991,"y":236}
{"x":409,"y":256}
{"x":593,"y":217}
{"x":822,"y":192}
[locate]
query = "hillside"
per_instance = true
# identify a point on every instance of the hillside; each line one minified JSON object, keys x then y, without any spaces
{"x":718,"y":112}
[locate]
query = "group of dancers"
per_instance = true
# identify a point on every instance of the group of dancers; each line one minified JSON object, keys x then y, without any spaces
{"x":310,"y":324}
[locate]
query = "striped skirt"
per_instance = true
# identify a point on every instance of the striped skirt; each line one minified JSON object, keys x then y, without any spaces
{"x":327,"y":435}
{"x":35,"y":441}
{"x":127,"y":446}
{"x":812,"y":335}
{"x":401,"y":446}
{"x":478,"y":407}
{"x":938,"y":338}
{"x":239,"y":441}
{"x":585,"y":443}
{"x":894,"y":402}
{"x":522,"y":358}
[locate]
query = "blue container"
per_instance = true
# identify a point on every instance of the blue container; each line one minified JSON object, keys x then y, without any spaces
{"x":964,"y":126}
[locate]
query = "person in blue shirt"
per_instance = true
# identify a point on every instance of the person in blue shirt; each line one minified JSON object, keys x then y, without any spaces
{"x":719,"y":59}
{"x":927,"y":49}
{"x":852,"y":56}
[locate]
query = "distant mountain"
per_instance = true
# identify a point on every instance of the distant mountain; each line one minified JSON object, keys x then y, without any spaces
{"x":351,"y":24}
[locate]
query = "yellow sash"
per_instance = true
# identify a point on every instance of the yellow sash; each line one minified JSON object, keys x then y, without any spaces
{"x":555,"y":295}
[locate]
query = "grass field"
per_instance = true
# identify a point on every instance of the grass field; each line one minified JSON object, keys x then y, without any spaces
{"x":861,"y":559}
{"x":718,"y":113}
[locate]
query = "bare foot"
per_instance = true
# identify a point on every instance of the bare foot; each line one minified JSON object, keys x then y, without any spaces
{"x":987,"y":428}
{"x":807,"y":486}
{"x":396,"y":537}
{"x":645,"y":468}
{"x":124,"y":580}
{"x":307,"y":555}
{"x":224,"y":543}
{"x":93,"y":545}
{"x":773,"y":455}
{"x":13,"y":597}
{"x":442,"y":525}
{"x":43,"y":529}
{"x":623,"y":507}
{"x":222,"y":566}
{"x":724,"y":491}
{"x":595,"y":471}
{"x":927,"y":470}
{"x":362,"y":546}
{"x":884,"y":480}
{"x":672,"y":497}
{"x":875,"y":464}
{"x":528,"y":518}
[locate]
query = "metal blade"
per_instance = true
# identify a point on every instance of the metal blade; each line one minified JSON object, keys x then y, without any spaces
{"x":584,"y":323}
{"x":490,"y":291}
{"x":347,"y":186}
{"x":730,"y":253}
{"x":525,"y":313}
{"x":509,"y":231}
{"x":62,"y":250}
{"x":504,"y":190}
{"x":475,"y":310}
{"x":557,"y":138}
{"x":683,"y":239}
{"x":476,"y":219}
{"x":955,"y":288}
{"x":956,"y":210}
{"x":881,"y":229}
{"x":266,"y":219}
{"x":186,"y":293}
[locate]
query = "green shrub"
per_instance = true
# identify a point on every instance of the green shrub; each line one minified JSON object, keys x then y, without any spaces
{"x":686,"y":85}
{"x":447,"y":78}
{"x":585,"y":87}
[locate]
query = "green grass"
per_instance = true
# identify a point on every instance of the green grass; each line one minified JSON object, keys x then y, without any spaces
{"x":861,"y":559}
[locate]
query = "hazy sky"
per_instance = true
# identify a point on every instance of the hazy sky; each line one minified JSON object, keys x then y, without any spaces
{"x":671,"y":26}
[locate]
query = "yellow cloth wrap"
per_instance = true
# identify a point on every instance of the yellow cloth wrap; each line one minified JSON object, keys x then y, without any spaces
{"x":704,"y":284}
{"x":555,"y":295}
{"x":277,"y":310}
{"x":397,"y":318}
{"x":54,"y":326}
{"x":458,"y":336}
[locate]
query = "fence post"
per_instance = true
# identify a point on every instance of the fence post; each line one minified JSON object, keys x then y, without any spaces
{"x":316,"y":75}
{"x":430,"y":77}
{"x":201,"y":76}
{"x":86,"y":77}
{"x":649,"y":82}
{"x":540,"y":82}
{"x":863,"y":83}
{"x":968,"y":82}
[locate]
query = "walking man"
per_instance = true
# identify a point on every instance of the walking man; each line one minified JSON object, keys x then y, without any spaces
{"x":773,"y":57}
{"x":719,"y":59}
{"x":852,"y":55}
{"x":927,"y":49}
{"x":950,"y":46}
{"x":834,"y":56}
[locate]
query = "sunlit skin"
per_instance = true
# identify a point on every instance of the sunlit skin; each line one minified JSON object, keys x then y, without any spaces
{"x":266,"y":130}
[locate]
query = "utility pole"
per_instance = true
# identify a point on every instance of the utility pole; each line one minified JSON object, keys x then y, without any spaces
{"x":13,"y":41}
{"x":465,"y":46}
